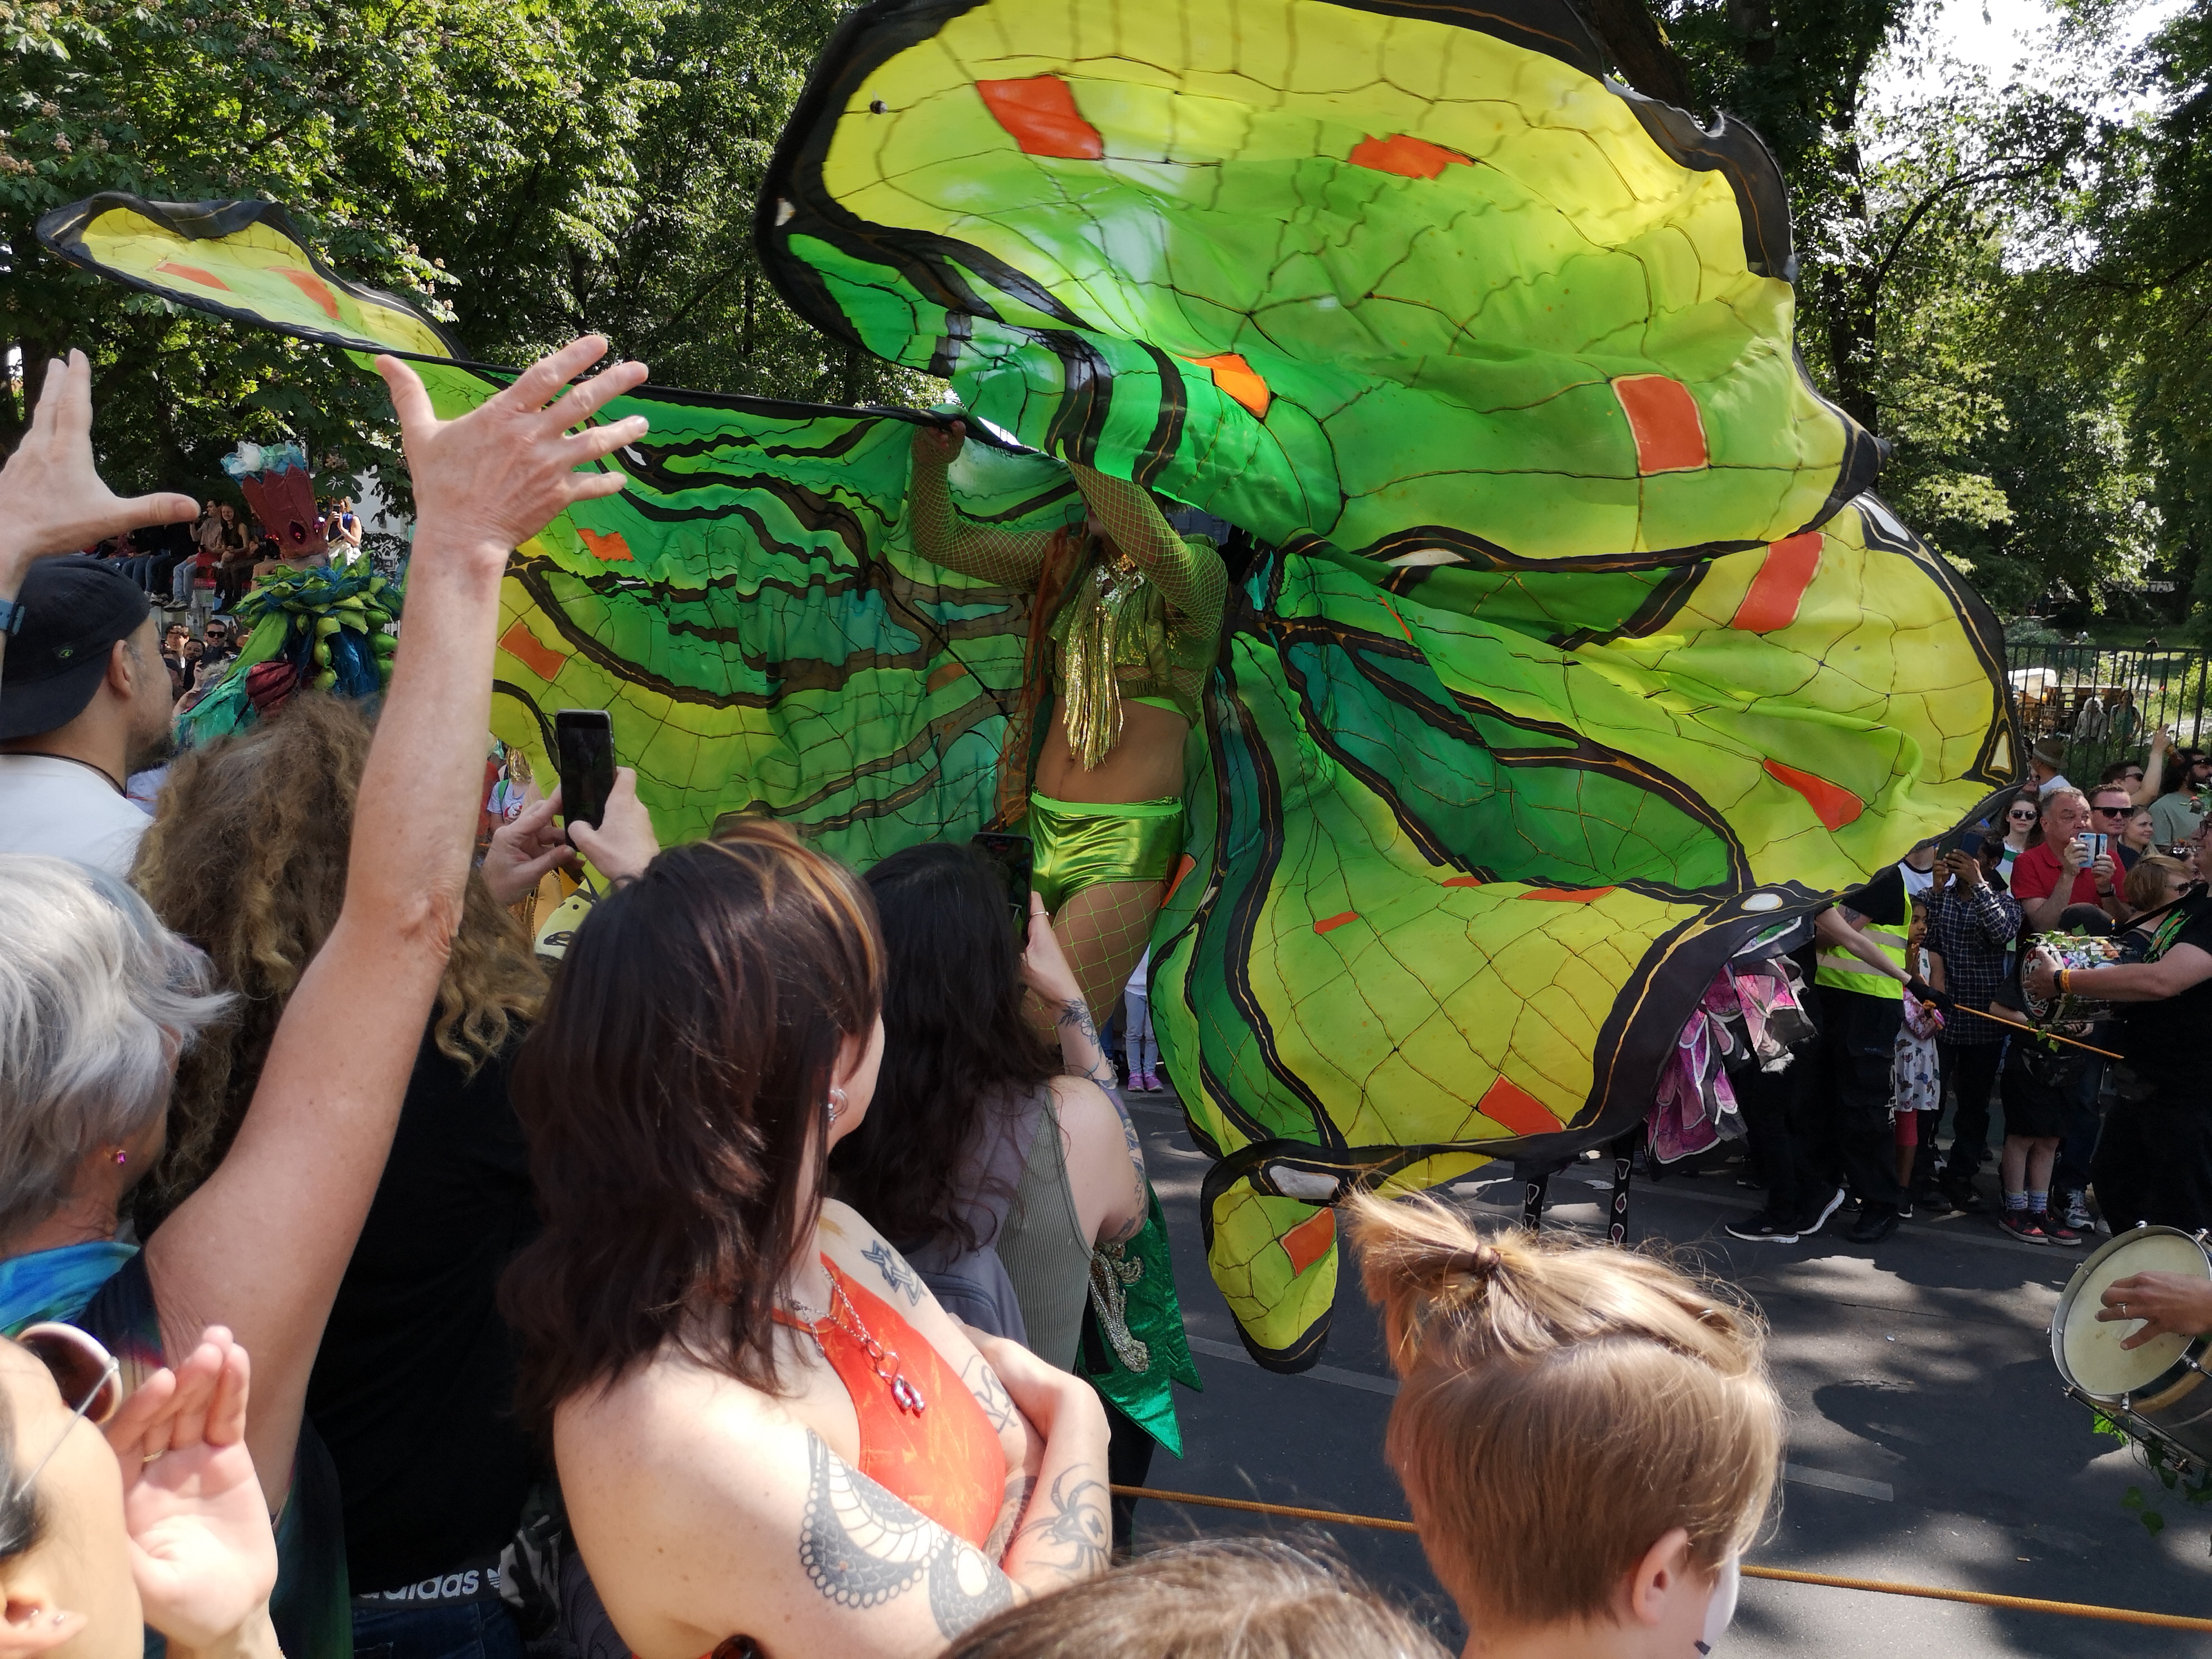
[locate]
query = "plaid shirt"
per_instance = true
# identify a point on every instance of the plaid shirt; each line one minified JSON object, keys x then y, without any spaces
{"x":1972,"y":929}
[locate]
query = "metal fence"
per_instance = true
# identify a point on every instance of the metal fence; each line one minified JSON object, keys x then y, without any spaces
{"x":2105,"y":703}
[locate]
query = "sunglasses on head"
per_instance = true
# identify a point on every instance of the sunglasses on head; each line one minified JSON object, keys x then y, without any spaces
{"x":84,"y":1372}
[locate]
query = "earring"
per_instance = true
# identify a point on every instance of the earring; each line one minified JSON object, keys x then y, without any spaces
{"x":835,"y":1105}
{"x":122,"y":1158}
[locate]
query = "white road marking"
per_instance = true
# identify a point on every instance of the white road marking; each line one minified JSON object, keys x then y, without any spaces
{"x":1336,"y":1374}
{"x":1880,"y":1490}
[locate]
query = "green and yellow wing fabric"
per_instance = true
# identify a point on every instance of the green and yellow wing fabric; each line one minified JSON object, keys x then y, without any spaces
{"x":1583,"y":655}
{"x":747,"y":608}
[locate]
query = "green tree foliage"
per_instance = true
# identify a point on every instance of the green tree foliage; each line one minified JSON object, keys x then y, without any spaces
{"x":524,"y":169}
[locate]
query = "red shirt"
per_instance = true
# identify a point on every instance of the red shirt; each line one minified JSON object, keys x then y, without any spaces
{"x":2035,"y":876}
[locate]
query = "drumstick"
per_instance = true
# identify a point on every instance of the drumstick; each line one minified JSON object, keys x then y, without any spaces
{"x":1999,"y":1019}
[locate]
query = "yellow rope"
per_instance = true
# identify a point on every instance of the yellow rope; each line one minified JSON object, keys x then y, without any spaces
{"x":1881,"y":1586}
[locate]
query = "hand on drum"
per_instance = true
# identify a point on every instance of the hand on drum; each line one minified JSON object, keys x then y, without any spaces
{"x":2176,"y":1303}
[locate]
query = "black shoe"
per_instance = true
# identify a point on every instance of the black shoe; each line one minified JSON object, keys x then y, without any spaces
{"x":1763,"y":1229}
{"x":1934,"y":1201}
{"x":1876,"y":1222}
{"x":1819,"y":1218}
{"x":1960,"y":1189}
{"x":1904,"y":1211}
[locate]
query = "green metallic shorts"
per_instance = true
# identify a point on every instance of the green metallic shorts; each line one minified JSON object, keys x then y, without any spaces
{"x":1079,"y":844}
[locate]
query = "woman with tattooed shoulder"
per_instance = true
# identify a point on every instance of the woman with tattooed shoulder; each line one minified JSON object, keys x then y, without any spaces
{"x":762,"y":1438}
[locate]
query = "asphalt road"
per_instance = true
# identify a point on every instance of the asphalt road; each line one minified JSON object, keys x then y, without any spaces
{"x":1929,"y":1441}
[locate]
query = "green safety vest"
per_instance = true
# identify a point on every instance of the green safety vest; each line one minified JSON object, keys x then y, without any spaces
{"x":1845,"y":972}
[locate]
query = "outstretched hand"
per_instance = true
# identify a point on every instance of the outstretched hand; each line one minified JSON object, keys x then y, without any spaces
{"x":2168,"y":1304}
{"x":1044,"y":963}
{"x":936,"y":446}
{"x":492,"y":479}
{"x":52,"y":499}
{"x":201,"y":1548}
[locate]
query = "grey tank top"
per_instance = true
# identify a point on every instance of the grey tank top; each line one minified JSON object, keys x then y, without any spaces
{"x":1028,"y":1277}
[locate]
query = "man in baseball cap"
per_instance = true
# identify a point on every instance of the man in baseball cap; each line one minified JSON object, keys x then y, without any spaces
{"x":84,"y":702}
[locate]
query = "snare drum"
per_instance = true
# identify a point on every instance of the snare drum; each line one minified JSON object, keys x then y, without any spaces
{"x":2157,"y":1391}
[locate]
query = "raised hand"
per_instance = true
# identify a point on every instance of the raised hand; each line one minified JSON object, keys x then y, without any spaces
{"x":500,"y":473}
{"x":936,"y":446}
{"x":52,"y":499}
{"x":201,"y":1548}
{"x":1044,"y":963}
{"x":624,"y":843}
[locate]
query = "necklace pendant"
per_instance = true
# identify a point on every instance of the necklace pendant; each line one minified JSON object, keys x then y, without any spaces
{"x":908,"y":1396}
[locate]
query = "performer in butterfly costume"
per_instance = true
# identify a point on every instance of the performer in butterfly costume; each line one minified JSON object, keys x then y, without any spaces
{"x":1135,"y":623}
{"x":1576,"y":652}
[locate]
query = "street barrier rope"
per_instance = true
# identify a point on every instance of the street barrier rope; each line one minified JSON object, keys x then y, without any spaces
{"x":1786,"y":1575}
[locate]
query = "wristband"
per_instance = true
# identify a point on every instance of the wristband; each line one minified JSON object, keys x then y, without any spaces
{"x":2062,"y":981}
{"x":11,"y":617}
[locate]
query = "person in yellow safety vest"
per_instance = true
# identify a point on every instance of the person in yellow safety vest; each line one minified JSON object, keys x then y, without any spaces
{"x":1859,"y":984}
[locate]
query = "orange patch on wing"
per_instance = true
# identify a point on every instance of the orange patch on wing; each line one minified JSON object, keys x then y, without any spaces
{"x":1510,"y":1104}
{"x":316,"y":289}
{"x":1567,"y":894}
{"x":608,"y":546}
{"x":1328,"y":924}
{"x":944,"y":676}
{"x":192,"y":274}
{"x":527,"y":648}
{"x":1039,"y":111}
{"x":1833,"y":804}
{"x":1669,"y":432}
{"x":1464,"y":881}
{"x":1787,"y":571}
{"x":1309,"y":1241}
{"x":1406,"y":155}
{"x":1238,"y":378}
{"x":1184,"y":868}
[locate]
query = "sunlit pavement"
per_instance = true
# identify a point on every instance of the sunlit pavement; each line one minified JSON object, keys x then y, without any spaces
{"x":1929,"y":1441}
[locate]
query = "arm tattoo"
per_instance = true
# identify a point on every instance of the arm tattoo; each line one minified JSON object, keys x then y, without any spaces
{"x":1074,"y":1525}
{"x":1089,"y":1059}
{"x":990,"y":1394}
{"x":892,"y":1265}
{"x":861,"y":1548}
{"x":1019,"y":1485}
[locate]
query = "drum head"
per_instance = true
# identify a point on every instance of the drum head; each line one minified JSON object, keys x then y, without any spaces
{"x":2088,"y":1349}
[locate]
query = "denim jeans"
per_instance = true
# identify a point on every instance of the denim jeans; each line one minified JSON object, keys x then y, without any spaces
{"x":469,"y":1630}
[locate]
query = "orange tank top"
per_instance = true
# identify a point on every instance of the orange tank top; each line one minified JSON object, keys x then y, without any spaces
{"x":943,"y":1458}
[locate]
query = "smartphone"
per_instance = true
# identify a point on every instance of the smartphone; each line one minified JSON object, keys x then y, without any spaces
{"x":2096,"y":844}
{"x":585,"y":740}
{"x":1013,"y":856}
{"x":1968,"y":842}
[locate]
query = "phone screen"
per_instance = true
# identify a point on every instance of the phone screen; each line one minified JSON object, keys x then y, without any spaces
{"x":586,"y":740}
{"x":1012,"y":857}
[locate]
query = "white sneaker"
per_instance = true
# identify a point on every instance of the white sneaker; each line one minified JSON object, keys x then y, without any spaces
{"x":1829,"y":1206}
{"x":2077,"y":1212}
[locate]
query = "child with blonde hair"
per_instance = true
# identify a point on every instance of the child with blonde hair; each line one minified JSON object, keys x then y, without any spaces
{"x":1588,"y":1437}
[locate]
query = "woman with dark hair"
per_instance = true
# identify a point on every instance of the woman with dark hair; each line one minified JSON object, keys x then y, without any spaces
{"x":996,"y":1171}
{"x":764,"y":1424}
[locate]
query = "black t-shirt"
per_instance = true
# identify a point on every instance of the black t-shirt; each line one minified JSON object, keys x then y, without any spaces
{"x":413,"y":1390}
{"x":1881,"y":901}
{"x":2164,"y":1040}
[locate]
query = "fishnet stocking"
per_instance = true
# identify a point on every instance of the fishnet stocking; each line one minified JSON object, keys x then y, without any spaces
{"x":1103,"y":931}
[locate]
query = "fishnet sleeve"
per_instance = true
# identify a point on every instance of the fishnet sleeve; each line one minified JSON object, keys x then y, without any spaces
{"x":1007,"y":557}
{"x":1191,"y":579}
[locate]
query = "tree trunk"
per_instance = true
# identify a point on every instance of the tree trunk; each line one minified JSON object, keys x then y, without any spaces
{"x":1638,"y":48}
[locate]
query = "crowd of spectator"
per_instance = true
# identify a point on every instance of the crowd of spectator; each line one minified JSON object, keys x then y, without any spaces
{"x":368,"y":1282}
{"x":1976,"y":951}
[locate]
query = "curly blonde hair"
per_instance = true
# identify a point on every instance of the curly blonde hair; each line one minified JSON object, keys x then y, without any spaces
{"x":246,"y":858}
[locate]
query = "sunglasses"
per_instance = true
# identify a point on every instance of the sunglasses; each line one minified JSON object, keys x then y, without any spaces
{"x":2026,"y":816}
{"x":82,"y":1370}
{"x":2112,"y":811}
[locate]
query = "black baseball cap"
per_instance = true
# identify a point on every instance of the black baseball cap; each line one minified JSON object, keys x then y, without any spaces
{"x":73,"y":611}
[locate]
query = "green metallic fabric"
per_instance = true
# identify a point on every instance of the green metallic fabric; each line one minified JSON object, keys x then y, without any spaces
{"x":1142,"y":1351}
{"x":1079,"y":845}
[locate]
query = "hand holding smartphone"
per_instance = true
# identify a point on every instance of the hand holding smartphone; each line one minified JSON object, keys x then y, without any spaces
{"x":1012,"y":857}
{"x":585,"y":738}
